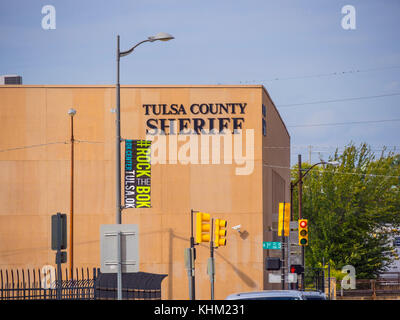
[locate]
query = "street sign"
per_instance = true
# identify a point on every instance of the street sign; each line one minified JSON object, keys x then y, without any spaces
{"x":128,"y":234}
{"x":272,"y":245}
{"x":277,"y":278}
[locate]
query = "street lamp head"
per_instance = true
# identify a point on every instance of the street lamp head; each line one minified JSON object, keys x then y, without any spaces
{"x":163,"y":36}
{"x":71,"y":112}
{"x":333,"y":163}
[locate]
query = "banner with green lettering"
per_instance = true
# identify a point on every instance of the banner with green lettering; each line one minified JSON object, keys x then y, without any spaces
{"x":137,"y":184}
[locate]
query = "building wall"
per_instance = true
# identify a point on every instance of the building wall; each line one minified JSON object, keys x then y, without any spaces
{"x":276,"y":176}
{"x":35,"y":180}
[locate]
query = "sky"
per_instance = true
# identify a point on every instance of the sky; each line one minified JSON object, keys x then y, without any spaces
{"x":317,"y":72}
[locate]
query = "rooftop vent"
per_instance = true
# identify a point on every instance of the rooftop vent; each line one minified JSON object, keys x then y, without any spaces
{"x":10,"y":79}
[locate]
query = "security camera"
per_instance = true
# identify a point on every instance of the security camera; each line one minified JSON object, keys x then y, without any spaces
{"x":237,"y":228}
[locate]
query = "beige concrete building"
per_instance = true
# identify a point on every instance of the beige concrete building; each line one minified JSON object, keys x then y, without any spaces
{"x":240,"y":177}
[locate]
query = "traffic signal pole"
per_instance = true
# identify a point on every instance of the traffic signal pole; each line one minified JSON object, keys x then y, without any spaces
{"x":283,"y":249}
{"x":211,"y":263}
{"x":300,"y":216}
{"x":192,"y":280}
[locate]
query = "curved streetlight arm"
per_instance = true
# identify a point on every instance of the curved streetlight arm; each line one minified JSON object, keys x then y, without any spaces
{"x":307,"y":171}
{"x":125,"y":53}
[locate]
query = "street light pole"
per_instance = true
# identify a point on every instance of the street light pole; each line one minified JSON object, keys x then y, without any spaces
{"x":300,"y":188}
{"x":71,"y":112}
{"x":299,"y":182}
{"x":162,"y":36}
{"x":118,"y":143}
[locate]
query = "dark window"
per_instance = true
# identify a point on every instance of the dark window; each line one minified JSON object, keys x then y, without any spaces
{"x":264,"y":127}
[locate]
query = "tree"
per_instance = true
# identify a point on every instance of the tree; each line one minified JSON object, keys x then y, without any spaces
{"x":353,"y":209}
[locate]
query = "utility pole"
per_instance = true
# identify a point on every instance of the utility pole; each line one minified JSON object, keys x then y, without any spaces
{"x":300,"y":217}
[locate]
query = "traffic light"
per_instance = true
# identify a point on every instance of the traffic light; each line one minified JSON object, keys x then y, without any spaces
{"x":303,"y":232}
{"x":296,"y":268}
{"x":220,"y":233}
{"x":284,"y":219}
{"x":202,"y":227}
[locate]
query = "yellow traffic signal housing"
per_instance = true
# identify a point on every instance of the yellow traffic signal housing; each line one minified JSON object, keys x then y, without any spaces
{"x":284,"y":219}
{"x":202,"y":227}
{"x":303,"y":232}
{"x":220,"y":233}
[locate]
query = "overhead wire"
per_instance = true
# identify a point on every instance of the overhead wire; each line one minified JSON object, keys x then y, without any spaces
{"x":334,"y":172}
{"x":47,"y":144}
{"x":341,"y":123}
{"x":34,"y":146}
{"x":320,"y":75}
{"x":338,"y":100}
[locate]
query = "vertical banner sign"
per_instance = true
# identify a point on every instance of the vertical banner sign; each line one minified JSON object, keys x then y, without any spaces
{"x":137,"y":174}
{"x":284,"y":218}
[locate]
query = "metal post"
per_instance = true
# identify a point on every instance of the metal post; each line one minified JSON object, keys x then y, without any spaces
{"x":211,"y":269}
{"x":71,"y":219}
{"x":293,"y":286}
{"x":329,"y":280}
{"x":192,"y":282}
{"x":118,"y":143}
{"x":58,"y":256}
{"x":291,"y":201}
{"x":119,"y":273}
{"x":283,"y":249}
{"x":189,"y":268}
{"x":300,"y":187}
{"x":300,"y":216}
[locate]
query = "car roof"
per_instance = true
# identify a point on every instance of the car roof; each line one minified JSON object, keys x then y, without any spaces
{"x":312,"y":293}
{"x":316,"y":294}
{"x":266,"y":293}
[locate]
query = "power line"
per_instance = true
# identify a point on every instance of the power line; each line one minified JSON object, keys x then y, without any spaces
{"x":87,"y":141}
{"x":319,"y":75}
{"x":47,"y":144}
{"x":335,"y":172}
{"x":341,"y":123}
{"x":303,"y":146}
{"x":339,"y":100}
{"x":34,"y":146}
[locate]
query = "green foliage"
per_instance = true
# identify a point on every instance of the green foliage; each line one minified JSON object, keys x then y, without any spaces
{"x":352,"y":209}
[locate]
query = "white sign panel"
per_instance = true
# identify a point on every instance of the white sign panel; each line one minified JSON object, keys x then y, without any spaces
{"x":277,"y":278}
{"x":129,"y":247}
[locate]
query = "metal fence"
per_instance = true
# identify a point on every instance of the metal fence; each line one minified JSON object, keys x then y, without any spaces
{"x":41,"y":284}
{"x":83,"y":284}
{"x":314,"y":279}
{"x":386,"y":285}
